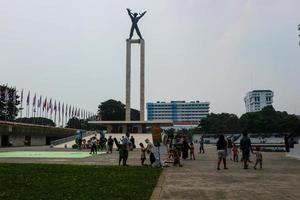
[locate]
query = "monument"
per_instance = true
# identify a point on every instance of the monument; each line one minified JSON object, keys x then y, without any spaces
{"x":135,"y":18}
{"x":128,"y":125}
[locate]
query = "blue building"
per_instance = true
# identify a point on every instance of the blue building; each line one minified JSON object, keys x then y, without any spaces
{"x":178,"y":111}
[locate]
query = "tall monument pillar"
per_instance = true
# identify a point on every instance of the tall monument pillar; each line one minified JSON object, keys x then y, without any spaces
{"x":142,"y":80}
{"x":129,"y":42}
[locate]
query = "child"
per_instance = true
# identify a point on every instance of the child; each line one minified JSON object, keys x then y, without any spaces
{"x":176,"y":158}
{"x":258,"y":158}
{"x":192,"y":155}
{"x":143,"y":153}
{"x":235,"y":152}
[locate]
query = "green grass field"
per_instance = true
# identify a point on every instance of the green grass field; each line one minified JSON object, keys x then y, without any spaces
{"x":47,"y":182}
{"x":45,"y":154}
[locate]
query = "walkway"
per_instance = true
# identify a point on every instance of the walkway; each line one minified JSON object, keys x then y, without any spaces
{"x":199,"y":179}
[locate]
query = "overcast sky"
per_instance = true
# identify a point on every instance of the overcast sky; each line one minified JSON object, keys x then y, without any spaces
{"x":207,"y":50}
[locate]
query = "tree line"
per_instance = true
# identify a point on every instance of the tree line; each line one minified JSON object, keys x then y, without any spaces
{"x":268,"y":120}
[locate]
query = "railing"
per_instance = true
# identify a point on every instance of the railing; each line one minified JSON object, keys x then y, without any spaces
{"x":70,"y":138}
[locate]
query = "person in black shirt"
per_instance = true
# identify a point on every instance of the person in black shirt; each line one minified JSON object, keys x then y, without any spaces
{"x":221,"y":148}
{"x":246,"y":147}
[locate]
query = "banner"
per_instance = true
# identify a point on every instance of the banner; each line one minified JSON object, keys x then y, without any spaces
{"x":156,"y":134}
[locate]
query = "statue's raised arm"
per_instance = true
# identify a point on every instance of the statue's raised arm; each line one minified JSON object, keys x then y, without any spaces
{"x":141,"y":15}
{"x":129,"y":13}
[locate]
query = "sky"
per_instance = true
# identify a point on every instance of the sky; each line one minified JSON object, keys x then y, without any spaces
{"x":206,"y":50}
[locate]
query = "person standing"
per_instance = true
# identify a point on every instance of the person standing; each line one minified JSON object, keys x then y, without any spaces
{"x":110,"y":143}
{"x":150,"y":150}
{"x":143,"y":154}
{"x":94,"y":146}
{"x":192,"y":154}
{"x":235,"y":153}
{"x":185,"y":148}
{"x":201,"y":142}
{"x":229,"y":148}
{"x":221,"y":148}
{"x":125,"y":146}
{"x":132,"y":141}
{"x":286,"y":143}
{"x":246,"y":147}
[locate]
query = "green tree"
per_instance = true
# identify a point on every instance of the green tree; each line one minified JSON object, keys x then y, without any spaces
{"x":8,"y":107}
{"x":268,"y":120}
{"x":112,"y":110}
{"x":220,"y":123}
{"x":36,"y":120}
{"x":74,"y":122}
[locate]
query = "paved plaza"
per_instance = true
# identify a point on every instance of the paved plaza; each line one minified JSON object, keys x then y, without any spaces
{"x":199,"y":179}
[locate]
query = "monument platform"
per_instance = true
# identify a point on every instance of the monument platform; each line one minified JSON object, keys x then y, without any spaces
{"x":131,"y":126}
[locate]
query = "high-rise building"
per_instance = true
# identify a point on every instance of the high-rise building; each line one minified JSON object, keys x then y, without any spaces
{"x":178,"y":111}
{"x":256,"y":100}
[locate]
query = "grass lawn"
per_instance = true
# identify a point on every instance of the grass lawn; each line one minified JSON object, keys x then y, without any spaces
{"x":49,"y":181}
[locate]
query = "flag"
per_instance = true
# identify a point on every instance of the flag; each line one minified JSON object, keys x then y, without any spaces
{"x":70,"y":110}
{"x":66,"y":110}
{"x":55,"y":107}
{"x":28,"y":98}
{"x":51,"y":107}
{"x":15,"y":96}
{"x":21,"y":98}
{"x":34,"y":100}
{"x":58,"y":111}
{"x":39,"y":102}
{"x":45,"y":104}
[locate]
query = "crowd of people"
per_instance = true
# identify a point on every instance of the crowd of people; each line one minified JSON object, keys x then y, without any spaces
{"x":178,"y":147}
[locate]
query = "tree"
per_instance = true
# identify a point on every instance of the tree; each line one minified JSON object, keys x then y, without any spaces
{"x":268,"y":120}
{"x":74,"y":122}
{"x":220,"y":123}
{"x":112,"y":110}
{"x":8,"y":103}
{"x":36,"y":120}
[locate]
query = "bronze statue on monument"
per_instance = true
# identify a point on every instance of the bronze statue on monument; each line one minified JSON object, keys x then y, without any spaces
{"x":135,"y":17}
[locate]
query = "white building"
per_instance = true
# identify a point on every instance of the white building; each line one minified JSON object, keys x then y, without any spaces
{"x":180,"y":112}
{"x":256,"y":100}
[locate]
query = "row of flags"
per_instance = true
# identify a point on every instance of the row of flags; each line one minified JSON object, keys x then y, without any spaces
{"x":58,"y":111}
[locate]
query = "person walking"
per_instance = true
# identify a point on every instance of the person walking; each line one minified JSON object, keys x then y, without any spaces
{"x":246,"y":147}
{"x":258,"y":158}
{"x":221,"y":148}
